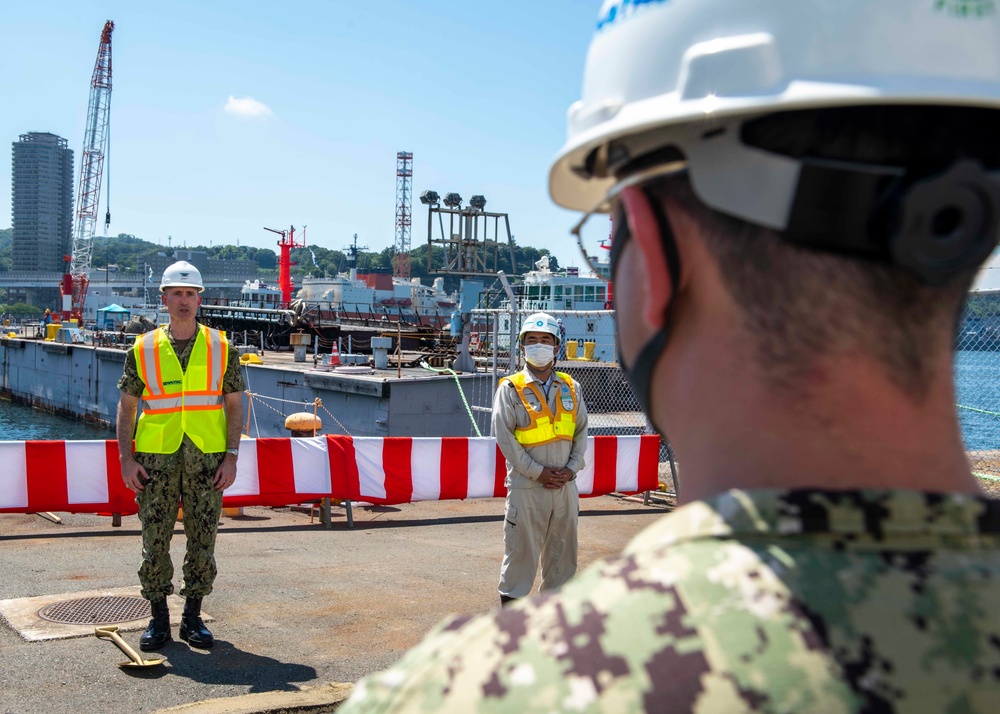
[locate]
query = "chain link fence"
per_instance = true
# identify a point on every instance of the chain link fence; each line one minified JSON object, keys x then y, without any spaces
{"x":977,"y":383}
{"x":588,"y":353}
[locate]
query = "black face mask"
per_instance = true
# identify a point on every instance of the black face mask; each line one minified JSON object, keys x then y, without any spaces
{"x":640,"y":375}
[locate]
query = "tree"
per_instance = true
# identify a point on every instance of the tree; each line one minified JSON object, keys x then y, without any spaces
{"x":21,"y":310}
{"x":6,"y":262}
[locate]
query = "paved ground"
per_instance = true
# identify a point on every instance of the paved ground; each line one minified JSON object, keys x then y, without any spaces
{"x":295,"y":604}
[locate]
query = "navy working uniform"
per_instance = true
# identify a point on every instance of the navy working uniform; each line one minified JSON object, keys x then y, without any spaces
{"x":185,"y":475}
{"x":760,"y":600}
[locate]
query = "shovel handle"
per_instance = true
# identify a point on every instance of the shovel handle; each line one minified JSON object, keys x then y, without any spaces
{"x":112,"y":634}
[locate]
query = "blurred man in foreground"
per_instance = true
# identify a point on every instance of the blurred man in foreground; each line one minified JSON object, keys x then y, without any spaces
{"x":801,"y":197}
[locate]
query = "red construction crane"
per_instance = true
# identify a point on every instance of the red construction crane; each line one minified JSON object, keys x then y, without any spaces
{"x":95,"y":139}
{"x":285,"y":263}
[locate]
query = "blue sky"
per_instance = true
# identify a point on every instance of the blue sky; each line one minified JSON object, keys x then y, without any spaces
{"x":230,"y":116}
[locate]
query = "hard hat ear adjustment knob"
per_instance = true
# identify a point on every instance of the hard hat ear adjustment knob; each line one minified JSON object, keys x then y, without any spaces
{"x":935,"y":225}
{"x":947,"y":224}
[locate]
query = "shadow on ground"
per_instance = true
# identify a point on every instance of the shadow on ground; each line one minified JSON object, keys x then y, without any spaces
{"x":225,"y":664}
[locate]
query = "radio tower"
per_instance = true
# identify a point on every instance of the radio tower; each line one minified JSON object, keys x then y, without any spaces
{"x":95,"y":139}
{"x":404,"y":181}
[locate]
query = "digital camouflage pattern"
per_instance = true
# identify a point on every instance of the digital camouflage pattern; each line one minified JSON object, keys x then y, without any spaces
{"x":765,"y":600}
{"x":187,"y":479}
{"x":185,"y":475}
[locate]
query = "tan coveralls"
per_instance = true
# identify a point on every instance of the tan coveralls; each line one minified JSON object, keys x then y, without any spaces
{"x":538,"y":521}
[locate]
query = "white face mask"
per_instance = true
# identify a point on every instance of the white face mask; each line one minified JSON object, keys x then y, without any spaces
{"x":539,"y":355}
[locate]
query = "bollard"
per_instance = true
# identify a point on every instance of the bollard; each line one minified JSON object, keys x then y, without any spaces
{"x":300,"y":344}
{"x":305,"y":424}
{"x":380,"y":350}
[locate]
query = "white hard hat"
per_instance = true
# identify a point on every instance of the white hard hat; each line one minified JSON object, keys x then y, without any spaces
{"x":686,"y":73}
{"x":539,"y":322}
{"x":181,"y":275}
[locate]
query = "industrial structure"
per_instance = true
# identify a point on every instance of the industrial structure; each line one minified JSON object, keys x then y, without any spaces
{"x":404,"y":193}
{"x":470,"y":247}
{"x":42,"y":206}
{"x":285,"y":263}
{"x":95,"y":140}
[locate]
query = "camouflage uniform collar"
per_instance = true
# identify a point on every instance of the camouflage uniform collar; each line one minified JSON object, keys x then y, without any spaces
{"x":182,"y":348}
{"x":875,"y":515}
{"x":174,"y":340}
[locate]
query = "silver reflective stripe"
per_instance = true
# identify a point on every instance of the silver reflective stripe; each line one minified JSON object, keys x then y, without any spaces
{"x":152,"y":378}
{"x":206,"y":401}
{"x":161,"y":404}
{"x":168,"y":403}
{"x":217,"y":365}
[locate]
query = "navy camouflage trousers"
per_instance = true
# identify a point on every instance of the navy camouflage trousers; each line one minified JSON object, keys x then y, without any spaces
{"x":178,"y":481}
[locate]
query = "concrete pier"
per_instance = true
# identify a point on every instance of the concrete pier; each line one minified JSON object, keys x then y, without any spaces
{"x":81,"y":381}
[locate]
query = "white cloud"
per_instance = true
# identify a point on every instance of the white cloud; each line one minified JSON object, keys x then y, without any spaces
{"x":247,"y":107}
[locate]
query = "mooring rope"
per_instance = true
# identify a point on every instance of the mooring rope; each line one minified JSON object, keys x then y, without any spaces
{"x":315,"y":403}
{"x":461,"y":392}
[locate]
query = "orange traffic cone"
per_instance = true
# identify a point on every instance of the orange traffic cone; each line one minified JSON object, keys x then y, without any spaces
{"x":334,"y":355}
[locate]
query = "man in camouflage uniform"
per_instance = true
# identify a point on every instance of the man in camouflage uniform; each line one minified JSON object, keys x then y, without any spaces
{"x":801,"y":197}
{"x":187,"y":474}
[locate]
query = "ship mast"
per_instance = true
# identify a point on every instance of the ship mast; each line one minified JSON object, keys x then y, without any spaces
{"x":285,"y":263}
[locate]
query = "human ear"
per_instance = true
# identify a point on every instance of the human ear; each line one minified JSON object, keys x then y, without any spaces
{"x":645,"y":230}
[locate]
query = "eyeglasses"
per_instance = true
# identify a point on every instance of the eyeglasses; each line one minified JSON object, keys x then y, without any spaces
{"x":604,"y":269}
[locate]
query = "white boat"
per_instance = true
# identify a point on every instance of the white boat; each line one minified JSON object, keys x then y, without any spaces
{"x":581,"y":303}
{"x":377,"y":296}
{"x":258,"y":294}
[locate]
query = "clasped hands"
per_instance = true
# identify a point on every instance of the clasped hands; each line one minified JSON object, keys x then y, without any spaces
{"x":556,"y":478}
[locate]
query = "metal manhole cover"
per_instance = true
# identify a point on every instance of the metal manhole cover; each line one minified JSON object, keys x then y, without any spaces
{"x":104,"y":610}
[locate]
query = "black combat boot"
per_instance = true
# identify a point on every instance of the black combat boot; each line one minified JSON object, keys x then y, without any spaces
{"x":193,"y":630}
{"x":504,"y":599}
{"x":158,"y":632}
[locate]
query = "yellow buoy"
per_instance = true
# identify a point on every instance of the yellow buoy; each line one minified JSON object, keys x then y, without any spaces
{"x":251,"y":358}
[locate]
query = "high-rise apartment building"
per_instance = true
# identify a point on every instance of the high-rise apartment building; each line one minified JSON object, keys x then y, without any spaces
{"x":42,"y":202}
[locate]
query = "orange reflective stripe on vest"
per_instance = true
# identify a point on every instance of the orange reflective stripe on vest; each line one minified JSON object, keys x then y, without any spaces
{"x":176,"y":402}
{"x":546,"y":427}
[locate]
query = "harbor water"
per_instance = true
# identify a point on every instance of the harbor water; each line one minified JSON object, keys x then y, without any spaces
{"x":22,"y":423}
{"x":977,"y":382}
{"x":977,"y":375}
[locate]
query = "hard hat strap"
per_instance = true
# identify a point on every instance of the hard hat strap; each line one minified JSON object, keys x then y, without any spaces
{"x":640,"y":374}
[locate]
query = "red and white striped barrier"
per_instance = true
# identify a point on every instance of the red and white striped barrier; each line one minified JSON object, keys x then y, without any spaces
{"x":84,"y":476}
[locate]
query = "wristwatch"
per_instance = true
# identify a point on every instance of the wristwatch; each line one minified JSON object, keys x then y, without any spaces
{"x":234,"y":452}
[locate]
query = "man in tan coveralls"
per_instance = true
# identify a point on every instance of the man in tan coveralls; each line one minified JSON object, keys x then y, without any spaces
{"x":540,"y":424}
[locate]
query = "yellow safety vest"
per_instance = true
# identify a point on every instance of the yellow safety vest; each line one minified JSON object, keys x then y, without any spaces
{"x":546,"y":427}
{"x":176,"y":403}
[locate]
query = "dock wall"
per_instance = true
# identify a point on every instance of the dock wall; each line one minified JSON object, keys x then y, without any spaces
{"x":82,"y":381}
